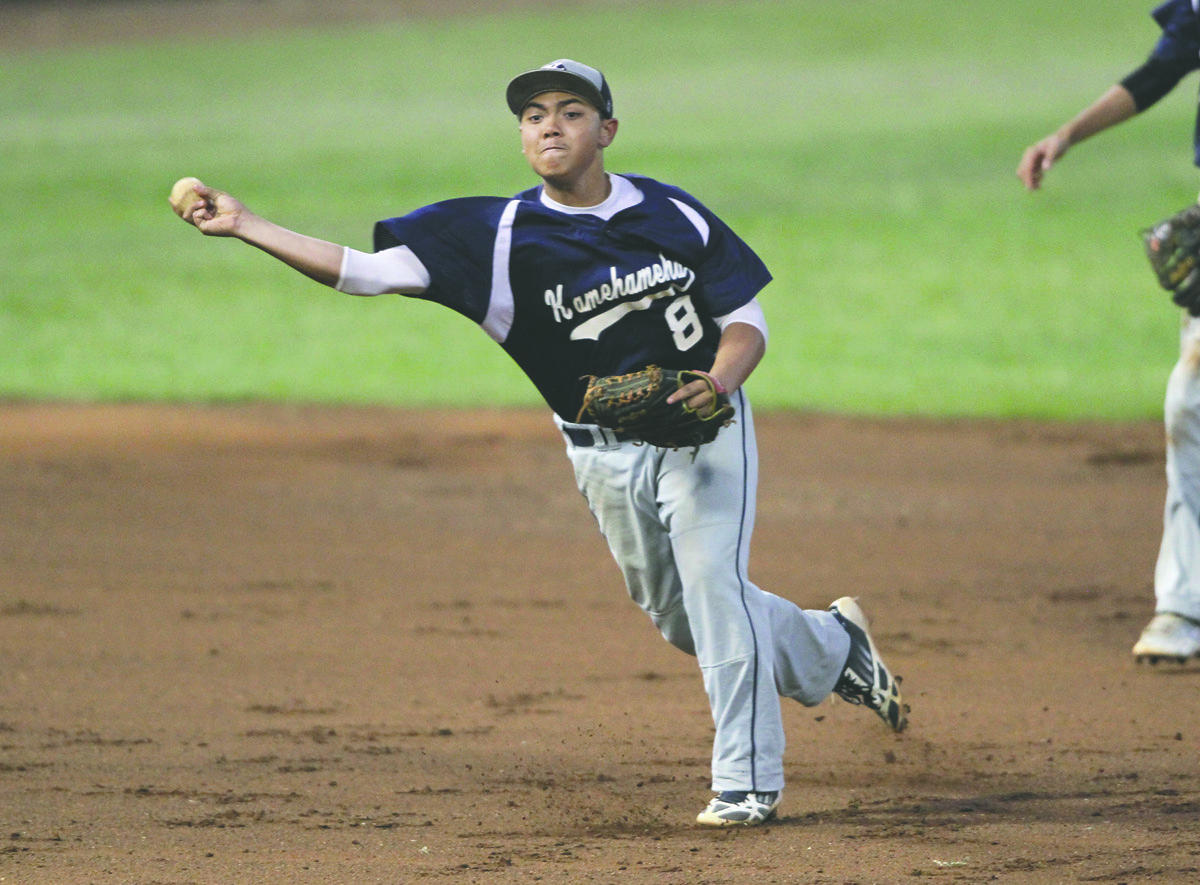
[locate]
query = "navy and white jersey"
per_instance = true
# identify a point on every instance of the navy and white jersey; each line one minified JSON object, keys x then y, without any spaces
{"x":1179,"y":45}
{"x":572,"y":295}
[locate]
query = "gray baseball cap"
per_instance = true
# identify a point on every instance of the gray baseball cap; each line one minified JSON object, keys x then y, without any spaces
{"x":563,"y":75}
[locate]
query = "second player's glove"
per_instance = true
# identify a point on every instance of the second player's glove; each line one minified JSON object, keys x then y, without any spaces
{"x":636,"y":405}
{"x":1173,"y":247}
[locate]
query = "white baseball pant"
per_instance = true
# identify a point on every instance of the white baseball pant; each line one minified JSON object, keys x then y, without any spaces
{"x":678,"y":523}
{"x":1177,"y":572}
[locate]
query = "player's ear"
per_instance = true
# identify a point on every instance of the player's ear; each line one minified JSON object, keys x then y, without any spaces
{"x":608,"y":131}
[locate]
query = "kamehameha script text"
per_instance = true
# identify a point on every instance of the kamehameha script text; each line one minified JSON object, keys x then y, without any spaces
{"x":663,"y":278}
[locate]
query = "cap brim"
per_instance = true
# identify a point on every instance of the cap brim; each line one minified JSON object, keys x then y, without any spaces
{"x":526,"y":86}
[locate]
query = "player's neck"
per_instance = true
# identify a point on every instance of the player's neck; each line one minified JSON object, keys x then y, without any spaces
{"x":588,"y":190}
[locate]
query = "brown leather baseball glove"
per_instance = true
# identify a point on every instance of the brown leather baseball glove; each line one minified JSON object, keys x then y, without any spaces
{"x":636,"y":404}
{"x":1173,"y":247}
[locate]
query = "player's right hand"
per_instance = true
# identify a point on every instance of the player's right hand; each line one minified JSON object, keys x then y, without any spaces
{"x":215,"y":214}
{"x":1038,"y":158}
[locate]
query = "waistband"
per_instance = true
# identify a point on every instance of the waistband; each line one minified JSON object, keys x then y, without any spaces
{"x":584,"y":436}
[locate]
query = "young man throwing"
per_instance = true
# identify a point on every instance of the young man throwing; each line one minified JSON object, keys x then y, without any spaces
{"x":594,"y":274}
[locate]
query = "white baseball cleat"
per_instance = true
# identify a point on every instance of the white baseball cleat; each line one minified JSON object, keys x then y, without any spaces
{"x":865,"y":678}
{"x":737,"y":808}
{"x":1170,"y":637}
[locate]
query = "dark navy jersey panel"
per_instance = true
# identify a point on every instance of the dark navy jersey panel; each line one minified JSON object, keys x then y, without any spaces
{"x":588,"y":296}
{"x":455,"y":237}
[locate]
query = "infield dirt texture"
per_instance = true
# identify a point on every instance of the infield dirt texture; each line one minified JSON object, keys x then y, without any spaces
{"x":273,"y":644}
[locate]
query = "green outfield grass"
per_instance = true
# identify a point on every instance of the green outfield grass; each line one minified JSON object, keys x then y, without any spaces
{"x":867,"y":150}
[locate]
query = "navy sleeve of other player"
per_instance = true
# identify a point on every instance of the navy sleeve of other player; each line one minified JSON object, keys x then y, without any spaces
{"x":1178,"y":49}
{"x":454,"y":240}
{"x":1154,"y":79}
{"x":1180,"y":40}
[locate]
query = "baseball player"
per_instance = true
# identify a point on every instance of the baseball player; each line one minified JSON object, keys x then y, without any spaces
{"x":593,"y":274}
{"x":1174,"y":631}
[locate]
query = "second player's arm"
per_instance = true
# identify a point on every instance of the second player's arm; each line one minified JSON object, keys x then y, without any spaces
{"x":1138,"y":90}
{"x":1114,"y":106}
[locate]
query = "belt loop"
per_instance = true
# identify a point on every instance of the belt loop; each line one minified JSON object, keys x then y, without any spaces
{"x":586,"y":436}
{"x":580,"y":437}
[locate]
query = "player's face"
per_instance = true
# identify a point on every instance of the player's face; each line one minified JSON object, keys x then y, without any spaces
{"x":563,"y":137}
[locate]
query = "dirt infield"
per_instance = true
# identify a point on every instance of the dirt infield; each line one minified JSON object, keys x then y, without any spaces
{"x":311,"y":645}
{"x":271,"y":644}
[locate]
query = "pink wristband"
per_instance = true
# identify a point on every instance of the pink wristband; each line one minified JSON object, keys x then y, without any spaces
{"x":716,"y":382}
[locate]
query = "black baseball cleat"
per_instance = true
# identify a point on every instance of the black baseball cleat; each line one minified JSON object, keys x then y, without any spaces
{"x":865,"y":678}
{"x":738,"y":808}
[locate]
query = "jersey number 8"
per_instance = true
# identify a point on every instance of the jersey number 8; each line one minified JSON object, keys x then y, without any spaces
{"x":684,"y":323}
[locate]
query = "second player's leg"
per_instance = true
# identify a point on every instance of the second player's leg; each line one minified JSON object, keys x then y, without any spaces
{"x":1175,"y":630}
{"x":1181,"y":594}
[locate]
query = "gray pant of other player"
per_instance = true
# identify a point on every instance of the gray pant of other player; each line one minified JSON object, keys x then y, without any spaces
{"x":1177,"y":574}
{"x":679,"y":524}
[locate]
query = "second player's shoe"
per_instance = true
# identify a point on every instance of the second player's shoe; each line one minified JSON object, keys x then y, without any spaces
{"x":865,"y":678}
{"x":1169,"y":637}
{"x":737,"y":808}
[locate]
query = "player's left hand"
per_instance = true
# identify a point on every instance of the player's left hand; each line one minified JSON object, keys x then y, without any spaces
{"x":699,"y":396}
{"x":654,"y":406}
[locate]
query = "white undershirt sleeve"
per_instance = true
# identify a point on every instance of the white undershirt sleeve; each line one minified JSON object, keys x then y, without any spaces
{"x":395,"y":271}
{"x":750,"y":313}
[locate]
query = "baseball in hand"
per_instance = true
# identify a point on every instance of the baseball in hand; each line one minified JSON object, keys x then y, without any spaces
{"x":183,"y":194}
